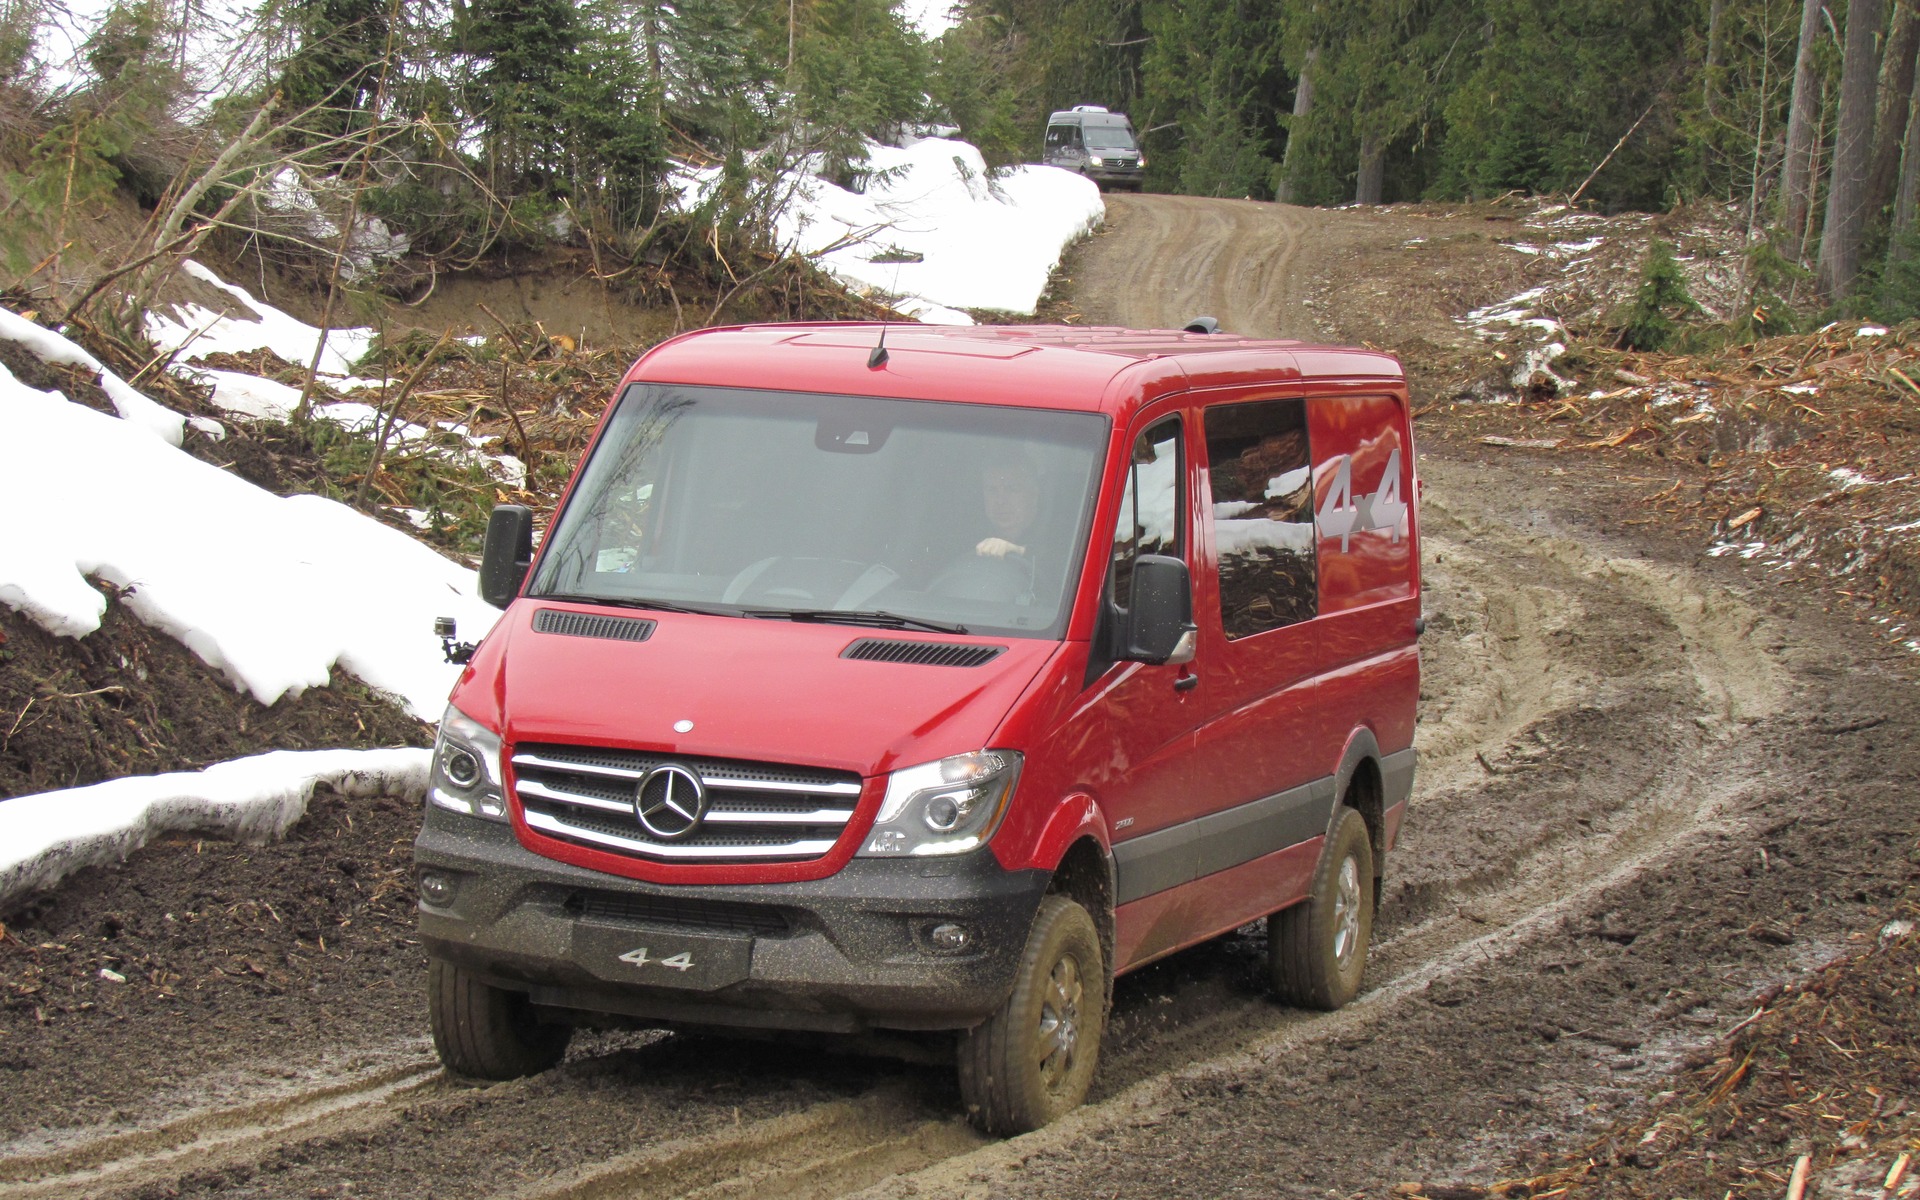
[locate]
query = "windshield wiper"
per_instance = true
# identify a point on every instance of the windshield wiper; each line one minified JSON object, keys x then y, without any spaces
{"x":638,"y":602}
{"x":838,"y":616}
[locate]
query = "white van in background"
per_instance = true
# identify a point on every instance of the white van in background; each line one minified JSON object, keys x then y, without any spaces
{"x":1096,"y":143}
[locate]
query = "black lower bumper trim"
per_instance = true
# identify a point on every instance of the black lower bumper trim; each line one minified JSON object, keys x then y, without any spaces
{"x":840,"y":954}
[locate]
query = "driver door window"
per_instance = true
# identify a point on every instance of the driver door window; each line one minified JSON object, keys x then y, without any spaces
{"x":1152,"y":521}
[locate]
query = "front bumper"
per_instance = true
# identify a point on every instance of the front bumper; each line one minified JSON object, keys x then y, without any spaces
{"x":842,"y":954}
{"x":1119,"y":176}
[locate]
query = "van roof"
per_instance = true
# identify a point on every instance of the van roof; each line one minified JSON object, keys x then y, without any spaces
{"x":1081,"y":116}
{"x":1040,"y":366}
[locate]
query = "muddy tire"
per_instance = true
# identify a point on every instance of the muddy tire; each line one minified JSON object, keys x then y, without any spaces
{"x":485,"y":1032}
{"x":1317,"y":949}
{"x":1033,"y":1060}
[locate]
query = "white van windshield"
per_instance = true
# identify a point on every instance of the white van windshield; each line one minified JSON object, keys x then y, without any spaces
{"x":1108,"y":137}
{"x":893,"y":513}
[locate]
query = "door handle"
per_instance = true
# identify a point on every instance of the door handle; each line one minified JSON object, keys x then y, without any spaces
{"x":1186,"y":683}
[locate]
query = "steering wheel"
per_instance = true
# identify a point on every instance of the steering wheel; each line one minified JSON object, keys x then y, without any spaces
{"x":986,"y":579}
{"x":809,"y":582}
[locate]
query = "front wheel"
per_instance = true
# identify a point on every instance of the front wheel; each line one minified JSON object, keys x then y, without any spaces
{"x":1317,"y":950}
{"x":484,"y":1032}
{"x":1033,"y":1060}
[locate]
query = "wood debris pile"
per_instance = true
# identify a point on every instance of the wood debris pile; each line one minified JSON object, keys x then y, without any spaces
{"x":1801,"y":453}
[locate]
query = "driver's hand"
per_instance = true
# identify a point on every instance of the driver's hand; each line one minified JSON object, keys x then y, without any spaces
{"x":994,"y":547}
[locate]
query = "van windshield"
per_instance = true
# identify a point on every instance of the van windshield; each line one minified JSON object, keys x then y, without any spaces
{"x":813,"y":507}
{"x":1109,"y":137}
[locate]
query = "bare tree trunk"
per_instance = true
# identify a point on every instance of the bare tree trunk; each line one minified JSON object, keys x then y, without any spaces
{"x":1797,"y":175}
{"x":1896,"y":91}
{"x":1841,"y":234}
{"x":1805,"y":230}
{"x":1906,"y":201}
{"x":1371,"y":182}
{"x":1302,"y":106}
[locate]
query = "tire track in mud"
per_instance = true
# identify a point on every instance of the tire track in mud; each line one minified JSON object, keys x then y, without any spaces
{"x":218,"y":1135}
{"x":1525,"y":670}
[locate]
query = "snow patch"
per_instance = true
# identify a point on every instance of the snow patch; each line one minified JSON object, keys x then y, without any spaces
{"x":946,"y":234}
{"x":46,"y":837}
{"x":134,"y":406}
{"x":273,"y":591}
{"x":194,"y":332}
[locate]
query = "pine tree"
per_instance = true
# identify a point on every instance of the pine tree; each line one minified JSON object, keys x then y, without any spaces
{"x":334,"y":68}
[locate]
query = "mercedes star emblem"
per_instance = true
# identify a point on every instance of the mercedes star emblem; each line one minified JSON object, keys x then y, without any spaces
{"x":670,"y":802}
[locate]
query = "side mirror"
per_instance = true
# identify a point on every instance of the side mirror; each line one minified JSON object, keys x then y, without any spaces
{"x":509,"y":552}
{"x":1159,"y":626}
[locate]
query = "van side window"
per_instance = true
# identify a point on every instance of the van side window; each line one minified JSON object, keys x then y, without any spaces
{"x":1149,"y":507}
{"x":1056,"y":137}
{"x":1262,"y":492}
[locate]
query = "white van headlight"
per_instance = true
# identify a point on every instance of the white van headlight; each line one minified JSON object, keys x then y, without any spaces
{"x":1097,"y":161}
{"x":466,"y":768}
{"x":945,"y":807}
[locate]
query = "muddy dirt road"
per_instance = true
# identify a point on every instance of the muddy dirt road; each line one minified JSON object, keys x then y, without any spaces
{"x":1650,"y":787}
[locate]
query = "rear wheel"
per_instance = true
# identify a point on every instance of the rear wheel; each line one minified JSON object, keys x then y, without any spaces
{"x":1033,"y":1060}
{"x":484,"y":1032}
{"x":1317,"y":950}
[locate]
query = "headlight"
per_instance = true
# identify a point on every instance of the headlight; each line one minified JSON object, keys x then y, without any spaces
{"x":1143,"y":162}
{"x":945,"y":807}
{"x":1097,"y":161}
{"x":466,"y":768}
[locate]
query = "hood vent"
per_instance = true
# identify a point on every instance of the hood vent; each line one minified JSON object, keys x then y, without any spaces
{"x":926,"y":654}
{"x":573,"y":624}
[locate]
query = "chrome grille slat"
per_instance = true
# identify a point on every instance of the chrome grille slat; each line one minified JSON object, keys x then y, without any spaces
{"x":812,"y":848}
{"x":756,"y":812}
{"x":716,"y":781}
{"x":722,"y":783}
{"x":819,"y":816}
{"x":533,"y":787}
{"x":535,"y":760}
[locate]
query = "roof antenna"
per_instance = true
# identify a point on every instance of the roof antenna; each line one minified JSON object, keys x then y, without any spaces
{"x":877,"y":358}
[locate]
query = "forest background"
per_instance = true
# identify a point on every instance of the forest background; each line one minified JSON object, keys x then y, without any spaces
{"x":332,"y":134}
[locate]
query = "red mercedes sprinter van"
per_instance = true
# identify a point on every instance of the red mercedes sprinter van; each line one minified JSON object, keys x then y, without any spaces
{"x":930,"y":690}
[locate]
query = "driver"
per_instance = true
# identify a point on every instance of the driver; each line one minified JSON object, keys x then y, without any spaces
{"x":1011,"y":491}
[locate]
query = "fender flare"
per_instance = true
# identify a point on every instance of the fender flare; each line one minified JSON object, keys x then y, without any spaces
{"x":1361,"y":747}
{"x":1078,"y":815}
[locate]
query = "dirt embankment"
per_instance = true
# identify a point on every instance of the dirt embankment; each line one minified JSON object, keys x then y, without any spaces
{"x":1653,"y":786}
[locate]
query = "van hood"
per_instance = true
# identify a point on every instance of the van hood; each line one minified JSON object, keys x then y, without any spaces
{"x":743,"y":688}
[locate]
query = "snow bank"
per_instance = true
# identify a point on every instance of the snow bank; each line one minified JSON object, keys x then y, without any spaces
{"x":131,"y":404}
{"x":195,"y":331}
{"x":46,"y":837}
{"x":273,"y":591}
{"x":932,"y":229}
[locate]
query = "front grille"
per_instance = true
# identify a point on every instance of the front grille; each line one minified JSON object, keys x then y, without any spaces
{"x":718,"y":916}
{"x":756,"y":812}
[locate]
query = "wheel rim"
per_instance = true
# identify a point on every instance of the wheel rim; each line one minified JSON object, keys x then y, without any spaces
{"x":1346,"y":914}
{"x":1056,"y":1041}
